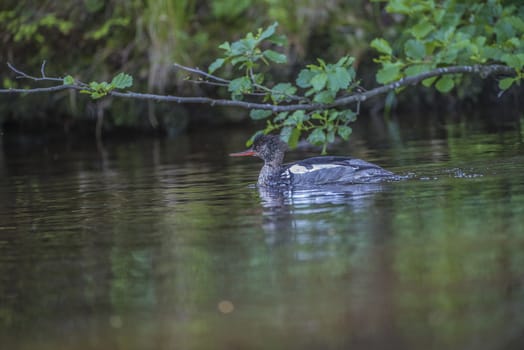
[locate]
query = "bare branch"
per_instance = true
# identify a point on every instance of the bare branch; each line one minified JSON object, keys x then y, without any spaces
{"x":201,"y":72}
{"x":38,"y":90}
{"x":196,"y":100}
{"x":206,"y":82}
{"x":22,"y":75}
{"x":42,"y":69}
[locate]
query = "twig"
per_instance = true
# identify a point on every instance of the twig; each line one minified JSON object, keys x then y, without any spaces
{"x":38,"y":90}
{"x":207,"y":82}
{"x":42,"y":69}
{"x":22,"y":75}
{"x":201,"y":72}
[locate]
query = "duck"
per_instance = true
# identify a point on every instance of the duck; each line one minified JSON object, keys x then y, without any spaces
{"x":310,"y":172}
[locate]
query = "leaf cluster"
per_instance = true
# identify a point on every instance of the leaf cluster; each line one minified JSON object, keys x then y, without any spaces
{"x":319,"y":83}
{"x":449,"y":32}
{"x":100,"y":89}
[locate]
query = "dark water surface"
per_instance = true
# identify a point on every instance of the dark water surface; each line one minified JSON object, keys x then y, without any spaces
{"x":167,"y":245}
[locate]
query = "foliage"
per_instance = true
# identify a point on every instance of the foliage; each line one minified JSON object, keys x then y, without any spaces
{"x":445,"y":41}
{"x":146,"y":37}
{"x":442,"y":33}
{"x":100,"y":89}
{"x":321,"y":83}
{"x":95,"y":38}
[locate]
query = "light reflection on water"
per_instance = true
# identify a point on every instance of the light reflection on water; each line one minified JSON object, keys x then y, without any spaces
{"x":157,"y":249}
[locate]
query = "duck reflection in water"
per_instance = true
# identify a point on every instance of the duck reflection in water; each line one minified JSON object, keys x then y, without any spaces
{"x":297,"y":211}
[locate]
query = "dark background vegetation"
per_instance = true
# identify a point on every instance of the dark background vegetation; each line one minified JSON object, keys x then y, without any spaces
{"x":96,"y":39}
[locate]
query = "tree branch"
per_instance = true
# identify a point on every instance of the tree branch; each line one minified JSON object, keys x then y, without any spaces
{"x":22,"y":75}
{"x":482,"y":70}
{"x":38,"y":90}
{"x":202,"y":73}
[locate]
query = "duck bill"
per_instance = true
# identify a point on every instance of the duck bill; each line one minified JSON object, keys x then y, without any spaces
{"x":246,"y":153}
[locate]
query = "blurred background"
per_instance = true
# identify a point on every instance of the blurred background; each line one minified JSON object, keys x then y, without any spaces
{"x":93,"y":40}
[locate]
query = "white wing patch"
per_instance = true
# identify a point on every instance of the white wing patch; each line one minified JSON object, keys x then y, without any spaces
{"x":299,"y":169}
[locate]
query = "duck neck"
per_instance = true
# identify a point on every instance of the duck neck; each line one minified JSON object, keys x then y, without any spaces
{"x":270,"y":174}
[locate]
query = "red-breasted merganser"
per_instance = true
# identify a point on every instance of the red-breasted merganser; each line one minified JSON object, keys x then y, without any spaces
{"x":325,"y":170}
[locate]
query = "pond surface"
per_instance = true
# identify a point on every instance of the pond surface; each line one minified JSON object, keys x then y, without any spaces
{"x":168,"y":245}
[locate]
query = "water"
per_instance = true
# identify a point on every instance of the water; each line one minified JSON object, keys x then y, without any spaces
{"x":168,"y":245}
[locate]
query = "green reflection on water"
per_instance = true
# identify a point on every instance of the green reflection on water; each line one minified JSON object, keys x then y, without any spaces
{"x":141,"y":253}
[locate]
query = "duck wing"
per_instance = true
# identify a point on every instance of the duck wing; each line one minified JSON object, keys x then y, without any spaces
{"x":333,"y":170}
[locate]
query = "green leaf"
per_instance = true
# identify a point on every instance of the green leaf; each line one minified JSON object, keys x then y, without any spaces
{"x":318,"y":116}
{"x":506,"y":83}
{"x":492,"y":52}
{"x":332,"y":115}
{"x":275,"y":56}
{"x":429,"y":81}
{"x":515,"y":61}
{"x":421,"y":29}
{"x":105,"y":86}
{"x":69,"y":80}
{"x":330,"y":137}
{"x":297,"y":118}
{"x":268,"y":32}
{"x":257,"y":114}
{"x":415,"y":49}
{"x":300,"y":116}
{"x":324,"y":97}
{"x":317,"y":137}
{"x":242,"y":47}
{"x":96,"y":95}
{"x":345,"y":61}
{"x":388,"y":73}
{"x":344,"y":131}
{"x":304,"y":78}
{"x":219,"y":62}
{"x":338,"y":79}
{"x":238,"y":59}
{"x":319,"y":81}
{"x":347,"y":116}
{"x":285,"y":88}
{"x":445,"y":84}
{"x":321,"y":62}
{"x":239,"y":85}
{"x":282,"y":91}
{"x":438,"y":14}
{"x":225,"y":46}
{"x":398,"y":6}
{"x":258,"y":78}
{"x":252,"y":138}
{"x":516,"y":22}
{"x":280,"y":117}
{"x":122,"y":81}
{"x":290,"y":135}
{"x":416,"y":69}
{"x":294,"y":138}
{"x":504,"y":30}
{"x":449,"y":55}
{"x":382,"y":46}
{"x":94,"y":85}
